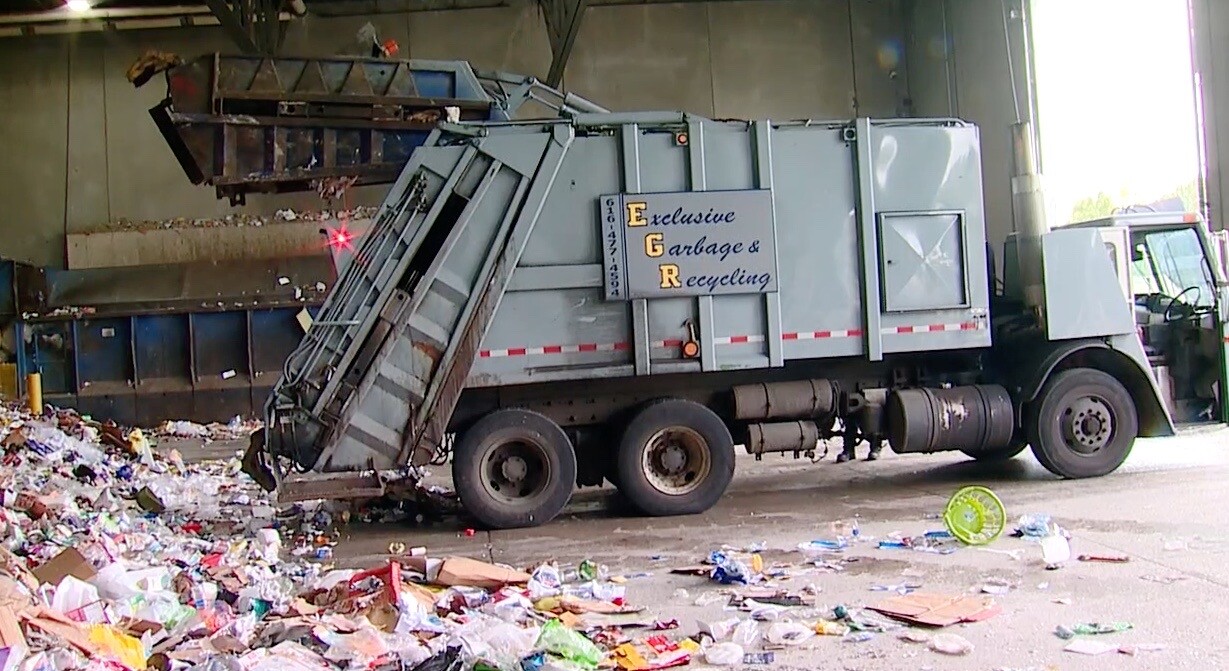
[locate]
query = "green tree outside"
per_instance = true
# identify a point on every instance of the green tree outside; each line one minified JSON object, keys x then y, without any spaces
{"x":1103,"y":205}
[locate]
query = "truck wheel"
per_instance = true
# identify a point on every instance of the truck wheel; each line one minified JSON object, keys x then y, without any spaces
{"x":1084,"y":424}
{"x":1001,"y":454}
{"x":676,"y":458}
{"x":514,"y":468}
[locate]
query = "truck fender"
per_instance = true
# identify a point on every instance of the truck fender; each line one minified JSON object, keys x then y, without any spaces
{"x":1114,"y":357}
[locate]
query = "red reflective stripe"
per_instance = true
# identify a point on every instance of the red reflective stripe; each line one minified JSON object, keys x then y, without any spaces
{"x":552,"y":349}
{"x":789,"y":336}
{"x":936,"y":327}
{"x":823,"y":334}
{"x":672,"y":343}
{"x":588,"y":347}
{"x":485,"y":354}
{"x":620,"y":346}
{"x":734,"y":339}
{"x":516,"y":351}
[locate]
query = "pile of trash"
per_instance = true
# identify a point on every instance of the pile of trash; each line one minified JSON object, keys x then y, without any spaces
{"x":116,"y":557}
{"x":241,"y":219}
{"x":236,"y":429}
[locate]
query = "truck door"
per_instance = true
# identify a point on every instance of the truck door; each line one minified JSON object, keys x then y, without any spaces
{"x":1180,"y":293}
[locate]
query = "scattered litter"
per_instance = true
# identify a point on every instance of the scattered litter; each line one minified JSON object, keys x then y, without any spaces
{"x":723,"y":654}
{"x":1063,"y":632}
{"x":1064,"y":601}
{"x":830,"y":628}
{"x":1055,"y":551}
{"x":1085,"y":646}
{"x":283,"y":280}
{"x":759,"y":658}
{"x":719,"y":630}
{"x":900,"y":588}
{"x":997,"y":586}
{"x":951,"y":644}
{"x":1137,"y":648}
{"x":858,"y":636}
{"x":1175,"y":544}
{"x":1107,"y":559}
{"x":788,"y":633}
{"x":1036,"y":525}
{"x":1163,"y":579}
{"x":914,"y":636}
{"x":746,"y":634}
{"x":1089,"y":628}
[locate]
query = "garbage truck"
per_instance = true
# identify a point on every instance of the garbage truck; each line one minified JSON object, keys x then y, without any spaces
{"x":629,"y":297}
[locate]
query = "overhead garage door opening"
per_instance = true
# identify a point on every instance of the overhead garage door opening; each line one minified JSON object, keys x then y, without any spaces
{"x":1116,"y":106}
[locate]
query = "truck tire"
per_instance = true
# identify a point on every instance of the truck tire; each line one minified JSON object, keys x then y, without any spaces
{"x":676,"y":458}
{"x":514,"y":468}
{"x":1083,"y":425}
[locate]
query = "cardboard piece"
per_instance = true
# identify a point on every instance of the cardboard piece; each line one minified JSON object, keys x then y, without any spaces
{"x":938,"y":610}
{"x":581,"y":606}
{"x":465,"y":572}
{"x":13,"y":646}
{"x":70,"y":562}
{"x":57,"y":625}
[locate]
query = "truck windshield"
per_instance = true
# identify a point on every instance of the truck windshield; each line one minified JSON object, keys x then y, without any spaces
{"x":1172,"y":262}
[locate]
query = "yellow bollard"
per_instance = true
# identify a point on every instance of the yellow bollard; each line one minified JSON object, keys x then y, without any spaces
{"x":34,"y":393}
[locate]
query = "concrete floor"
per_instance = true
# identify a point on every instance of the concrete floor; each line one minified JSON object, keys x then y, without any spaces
{"x":1170,"y":494}
{"x":1163,"y":508}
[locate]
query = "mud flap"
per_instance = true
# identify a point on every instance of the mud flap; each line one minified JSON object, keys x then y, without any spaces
{"x":255,"y":464}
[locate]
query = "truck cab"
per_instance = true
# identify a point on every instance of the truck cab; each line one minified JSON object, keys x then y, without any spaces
{"x":1176,"y":278}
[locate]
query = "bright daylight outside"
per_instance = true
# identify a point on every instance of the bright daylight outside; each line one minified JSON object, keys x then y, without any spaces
{"x":1116,"y":105}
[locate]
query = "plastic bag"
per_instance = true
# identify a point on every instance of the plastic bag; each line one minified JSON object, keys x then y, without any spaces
{"x":72,"y":594}
{"x":787,"y":633}
{"x":268,"y":545}
{"x":544,"y":582}
{"x":559,"y":640}
{"x":361,"y":647}
{"x":724,"y":654}
{"x":746,"y":633}
{"x":414,"y":616}
{"x":499,"y":643}
{"x":731,"y":571}
{"x":1034,"y":525}
{"x":764,"y":612}
{"x":720,"y":629}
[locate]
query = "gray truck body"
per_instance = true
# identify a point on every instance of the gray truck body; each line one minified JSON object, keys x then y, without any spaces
{"x":521,"y":263}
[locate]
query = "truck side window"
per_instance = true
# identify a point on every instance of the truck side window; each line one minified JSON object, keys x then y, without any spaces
{"x":1171,"y":262}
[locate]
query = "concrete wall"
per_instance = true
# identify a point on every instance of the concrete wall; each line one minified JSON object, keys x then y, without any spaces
{"x":82,"y":151}
{"x":1211,"y":62}
{"x":958,"y":67}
